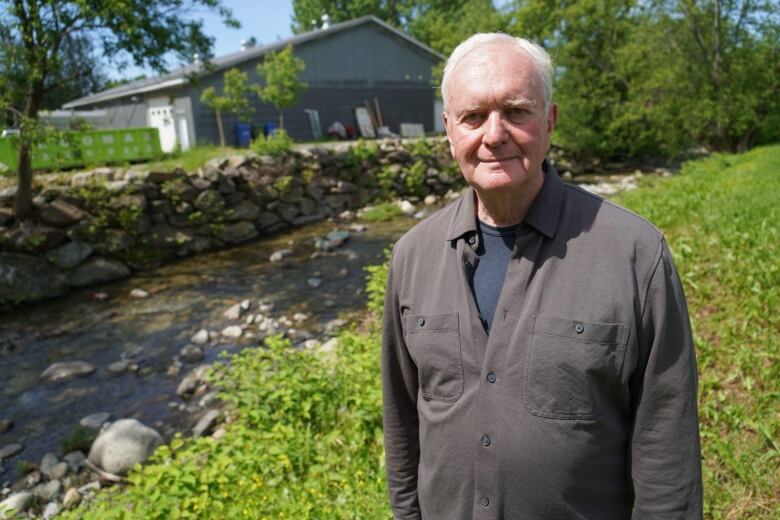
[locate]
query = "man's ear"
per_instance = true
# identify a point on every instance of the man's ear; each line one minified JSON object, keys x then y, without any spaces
{"x":552,"y":118}
{"x":447,"y":130}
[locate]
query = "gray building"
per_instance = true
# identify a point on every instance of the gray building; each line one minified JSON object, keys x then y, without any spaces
{"x":346,"y":64}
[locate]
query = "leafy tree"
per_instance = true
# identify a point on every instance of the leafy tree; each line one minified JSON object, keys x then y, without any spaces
{"x":282,"y":86}
{"x":35,"y":35}
{"x":308,"y":12}
{"x":234,"y":99}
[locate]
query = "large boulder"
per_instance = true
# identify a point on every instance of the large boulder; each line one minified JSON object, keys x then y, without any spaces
{"x":122,"y":445}
{"x":69,"y":255}
{"x":26,"y":278}
{"x":65,"y":370}
{"x":97,"y":270}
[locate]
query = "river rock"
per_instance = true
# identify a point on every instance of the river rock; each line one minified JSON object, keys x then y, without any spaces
{"x":10,"y":450}
{"x":66,"y":370}
{"x":406,"y":207}
{"x":95,"y":421}
{"x":234,"y":312}
{"x":232,"y":331}
{"x":71,"y":499}
{"x":58,"y":471}
{"x":191,"y":354}
{"x":122,"y":445}
{"x":47,"y":463}
{"x":17,"y":502}
{"x":117,"y":367}
{"x":206,"y":423}
{"x":314,"y":282}
{"x":139,"y":293}
{"x":358,"y":228}
{"x":69,"y":255}
{"x":5,"y":425}
{"x":51,"y":510}
{"x":61,"y":214}
{"x":337,"y":238}
{"x":26,"y":278}
{"x":201,"y":337}
{"x":48,"y":490}
{"x":278,"y":256}
{"x":192,"y":380}
{"x":74,"y":459}
{"x":98,"y":270}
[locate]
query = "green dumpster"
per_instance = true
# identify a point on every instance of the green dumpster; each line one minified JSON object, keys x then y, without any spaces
{"x":87,"y":148}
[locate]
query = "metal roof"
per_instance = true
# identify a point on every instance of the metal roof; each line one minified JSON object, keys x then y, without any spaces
{"x":182,"y":75}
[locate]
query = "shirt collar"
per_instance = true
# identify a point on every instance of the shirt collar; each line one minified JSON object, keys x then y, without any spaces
{"x":542,"y":215}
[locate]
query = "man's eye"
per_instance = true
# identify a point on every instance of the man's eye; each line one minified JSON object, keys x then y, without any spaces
{"x":516,"y":114}
{"x":474,"y":117}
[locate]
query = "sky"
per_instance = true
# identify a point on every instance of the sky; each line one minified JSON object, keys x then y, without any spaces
{"x":266,"y":20}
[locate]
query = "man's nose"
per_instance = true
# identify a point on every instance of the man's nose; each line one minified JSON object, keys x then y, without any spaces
{"x":495,"y":131}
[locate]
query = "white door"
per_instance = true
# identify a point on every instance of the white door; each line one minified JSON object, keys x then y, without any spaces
{"x":161,"y":118}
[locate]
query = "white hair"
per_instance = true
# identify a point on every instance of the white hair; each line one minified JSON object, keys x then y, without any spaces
{"x":478,"y":41}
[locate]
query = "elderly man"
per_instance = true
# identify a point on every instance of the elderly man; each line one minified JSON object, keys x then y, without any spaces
{"x":537,"y":355}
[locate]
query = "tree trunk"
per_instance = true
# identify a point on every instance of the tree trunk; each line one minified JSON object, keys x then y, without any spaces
{"x":281,"y":120}
{"x":220,"y":129}
{"x":29,"y":122}
{"x":746,"y":141}
{"x":23,"y":200}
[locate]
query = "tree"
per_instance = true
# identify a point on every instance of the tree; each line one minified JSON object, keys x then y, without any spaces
{"x":282,"y":86}
{"x":309,"y":12}
{"x":234,"y":99}
{"x":35,"y":34}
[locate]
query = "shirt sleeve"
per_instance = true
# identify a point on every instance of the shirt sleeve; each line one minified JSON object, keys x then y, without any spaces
{"x":401,"y":423}
{"x":665,"y":449}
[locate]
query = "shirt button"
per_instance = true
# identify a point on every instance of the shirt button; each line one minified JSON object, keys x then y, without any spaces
{"x":484,"y":500}
{"x":578,"y":328}
{"x":472,"y":240}
{"x":421,"y":322}
{"x":491,"y":377}
{"x":486,"y":440}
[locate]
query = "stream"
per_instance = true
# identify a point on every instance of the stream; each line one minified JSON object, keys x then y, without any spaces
{"x":183,"y":297}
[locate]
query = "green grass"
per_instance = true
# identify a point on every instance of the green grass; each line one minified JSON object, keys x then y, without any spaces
{"x":193,"y":158}
{"x":304,"y":440}
{"x":721,"y":218}
{"x":382,"y":212}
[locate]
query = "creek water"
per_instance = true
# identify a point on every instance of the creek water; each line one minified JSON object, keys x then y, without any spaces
{"x":184,"y":297}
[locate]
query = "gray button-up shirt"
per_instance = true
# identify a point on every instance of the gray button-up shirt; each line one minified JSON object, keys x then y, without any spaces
{"x":581,"y":403}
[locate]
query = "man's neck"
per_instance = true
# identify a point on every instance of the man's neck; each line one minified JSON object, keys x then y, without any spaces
{"x":507,"y":208}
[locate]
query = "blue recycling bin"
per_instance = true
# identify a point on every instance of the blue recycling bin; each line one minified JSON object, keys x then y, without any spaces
{"x":243,"y":134}
{"x":269,"y":128}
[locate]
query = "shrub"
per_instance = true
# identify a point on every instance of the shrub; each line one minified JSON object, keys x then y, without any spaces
{"x":278,"y":143}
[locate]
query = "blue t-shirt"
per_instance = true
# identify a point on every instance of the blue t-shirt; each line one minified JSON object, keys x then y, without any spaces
{"x":487,"y":278}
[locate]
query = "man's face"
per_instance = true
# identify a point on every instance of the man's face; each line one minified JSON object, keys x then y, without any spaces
{"x":495,"y":120}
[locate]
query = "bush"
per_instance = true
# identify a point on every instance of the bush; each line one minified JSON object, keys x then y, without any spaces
{"x":278,"y":143}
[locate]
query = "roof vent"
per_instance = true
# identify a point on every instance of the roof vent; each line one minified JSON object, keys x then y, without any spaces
{"x":244,"y":46}
{"x":325,"y":21}
{"x":196,"y":61}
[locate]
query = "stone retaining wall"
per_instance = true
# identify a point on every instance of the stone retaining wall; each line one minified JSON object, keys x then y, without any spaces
{"x":93,"y":227}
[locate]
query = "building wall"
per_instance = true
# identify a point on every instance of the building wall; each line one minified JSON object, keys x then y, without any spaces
{"x":342,"y":69}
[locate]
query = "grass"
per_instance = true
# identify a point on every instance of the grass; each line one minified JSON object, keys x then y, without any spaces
{"x":304,"y":439}
{"x":192,"y":159}
{"x":382,"y":212}
{"x":721,"y":218}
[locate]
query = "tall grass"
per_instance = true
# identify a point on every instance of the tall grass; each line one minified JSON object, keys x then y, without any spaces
{"x":721,"y":218}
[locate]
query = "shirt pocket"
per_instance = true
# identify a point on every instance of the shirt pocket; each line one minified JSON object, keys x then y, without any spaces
{"x":571,"y":365}
{"x":434,"y":344}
